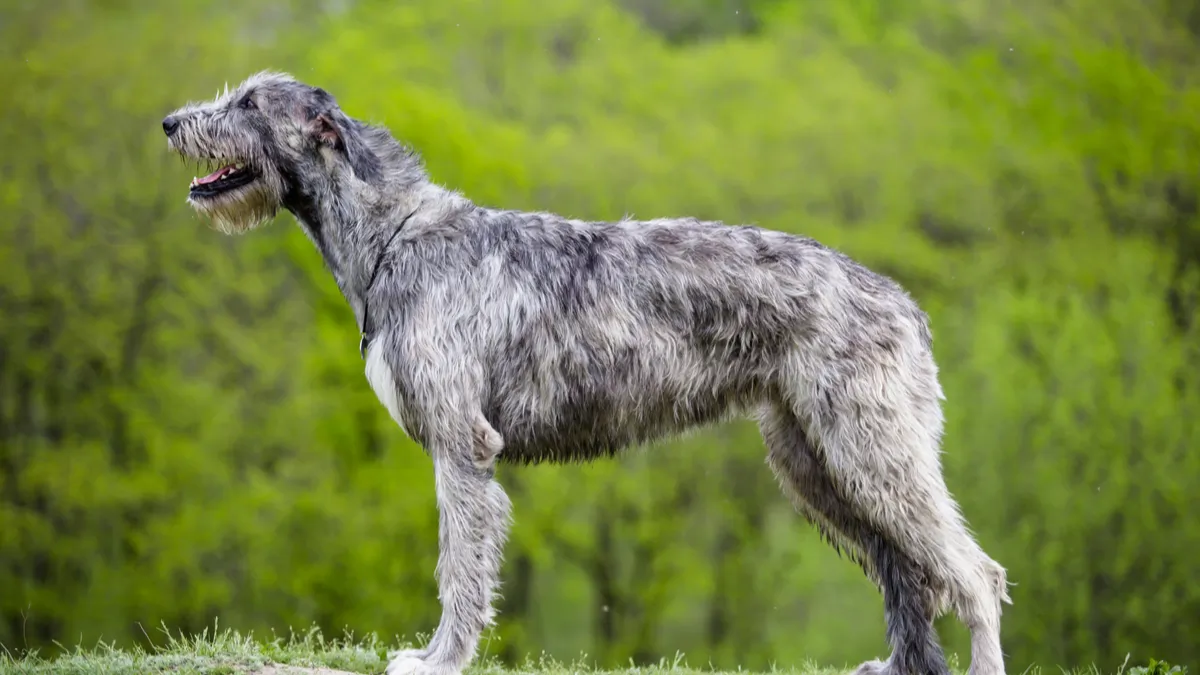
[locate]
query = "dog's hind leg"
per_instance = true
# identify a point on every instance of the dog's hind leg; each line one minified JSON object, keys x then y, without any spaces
{"x":876,"y":435}
{"x":473,"y":520}
{"x":908,"y":605}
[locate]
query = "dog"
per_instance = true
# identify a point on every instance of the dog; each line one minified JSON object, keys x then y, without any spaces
{"x":493,"y":335}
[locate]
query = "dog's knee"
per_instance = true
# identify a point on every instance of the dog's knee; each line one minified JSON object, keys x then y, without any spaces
{"x":487,"y":443}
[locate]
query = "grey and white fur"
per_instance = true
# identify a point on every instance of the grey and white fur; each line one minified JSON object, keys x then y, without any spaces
{"x":494,"y":335}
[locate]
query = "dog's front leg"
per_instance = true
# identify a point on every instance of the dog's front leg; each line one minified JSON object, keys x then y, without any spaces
{"x":473,"y":520}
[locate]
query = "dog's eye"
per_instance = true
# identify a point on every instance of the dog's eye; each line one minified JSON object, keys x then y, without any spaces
{"x":247,"y":104}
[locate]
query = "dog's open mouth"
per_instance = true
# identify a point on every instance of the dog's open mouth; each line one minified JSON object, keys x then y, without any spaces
{"x":224,"y":179}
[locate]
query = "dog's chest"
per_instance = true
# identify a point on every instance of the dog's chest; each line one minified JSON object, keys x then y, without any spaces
{"x":383,"y":382}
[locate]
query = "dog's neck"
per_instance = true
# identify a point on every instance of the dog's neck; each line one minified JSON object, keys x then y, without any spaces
{"x":353,"y":229}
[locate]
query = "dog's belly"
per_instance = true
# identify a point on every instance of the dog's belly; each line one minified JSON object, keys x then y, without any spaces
{"x":584,"y":425}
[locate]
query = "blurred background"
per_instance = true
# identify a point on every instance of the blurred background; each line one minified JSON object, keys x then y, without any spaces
{"x":186,"y":434}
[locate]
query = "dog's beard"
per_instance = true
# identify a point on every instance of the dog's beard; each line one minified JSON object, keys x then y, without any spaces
{"x":239,"y":211}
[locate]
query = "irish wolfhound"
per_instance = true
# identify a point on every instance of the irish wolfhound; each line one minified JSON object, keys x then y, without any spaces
{"x":493,"y":335}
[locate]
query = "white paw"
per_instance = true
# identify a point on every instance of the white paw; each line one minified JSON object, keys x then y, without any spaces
{"x":412,"y":662}
{"x":408,"y":662}
{"x":872,"y":668}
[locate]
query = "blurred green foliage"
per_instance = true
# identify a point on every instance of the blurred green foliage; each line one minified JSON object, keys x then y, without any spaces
{"x":185,"y":431}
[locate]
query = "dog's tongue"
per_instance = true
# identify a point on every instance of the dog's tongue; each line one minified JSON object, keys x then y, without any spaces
{"x":214,"y":176}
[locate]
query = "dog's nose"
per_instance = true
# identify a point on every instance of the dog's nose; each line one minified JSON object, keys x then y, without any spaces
{"x":170,"y":125}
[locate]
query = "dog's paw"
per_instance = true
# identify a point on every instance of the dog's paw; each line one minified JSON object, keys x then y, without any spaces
{"x":412,"y":662}
{"x":872,"y":668}
{"x":408,"y":662}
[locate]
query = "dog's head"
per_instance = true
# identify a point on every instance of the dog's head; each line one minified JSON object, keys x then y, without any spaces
{"x":269,"y":139}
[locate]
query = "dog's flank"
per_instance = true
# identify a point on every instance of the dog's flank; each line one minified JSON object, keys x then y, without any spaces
{"x":492,"y":335}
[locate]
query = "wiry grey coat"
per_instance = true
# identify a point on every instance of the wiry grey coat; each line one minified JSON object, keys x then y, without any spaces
{"x":496,"y":335}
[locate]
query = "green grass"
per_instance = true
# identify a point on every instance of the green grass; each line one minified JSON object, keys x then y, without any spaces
{"x":230,"y":653}
{"x":210,"y":653}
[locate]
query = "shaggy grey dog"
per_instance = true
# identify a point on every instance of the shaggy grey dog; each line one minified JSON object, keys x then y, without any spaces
{"x":494,"y":335}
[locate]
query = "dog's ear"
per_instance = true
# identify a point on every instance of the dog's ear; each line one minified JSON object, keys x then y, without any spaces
{"x":330,"y":127}
{"x":324,"y":130}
